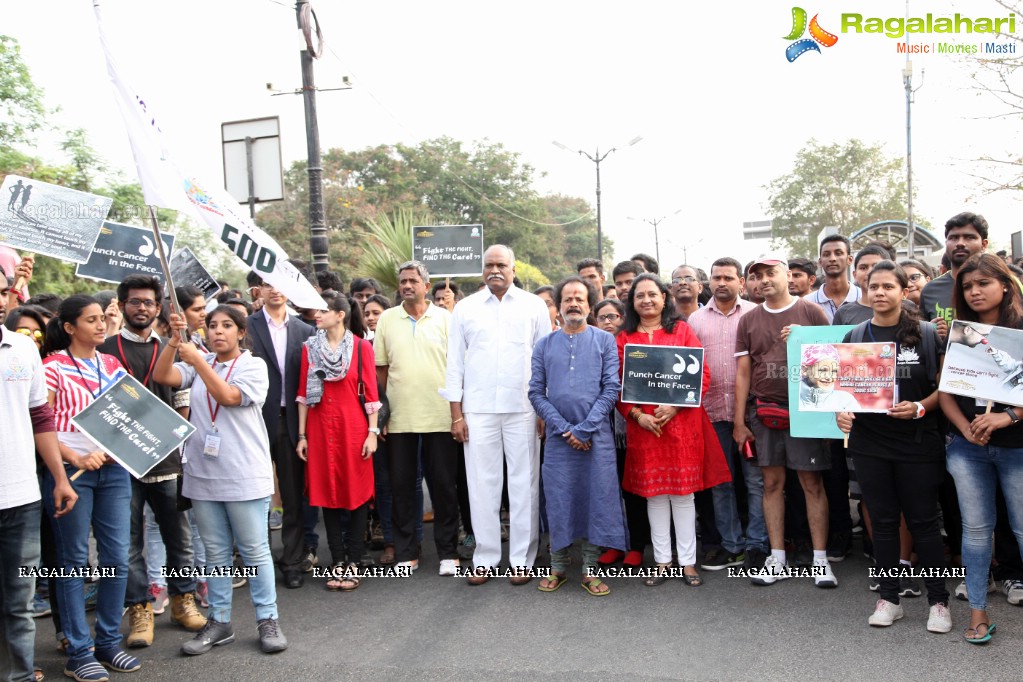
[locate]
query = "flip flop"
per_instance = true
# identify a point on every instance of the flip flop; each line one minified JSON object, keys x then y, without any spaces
{"x":554,"y":581}
{"x":591,"y":585}
{"x":980,"y":639}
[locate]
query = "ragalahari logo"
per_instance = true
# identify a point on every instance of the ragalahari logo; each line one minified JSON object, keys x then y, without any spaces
{"x":817,"y":35}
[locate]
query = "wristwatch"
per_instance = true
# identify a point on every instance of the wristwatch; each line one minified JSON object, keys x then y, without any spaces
{"x":1012,"y":415}
{"x":375,"y":431}
{"x":920,"y":411}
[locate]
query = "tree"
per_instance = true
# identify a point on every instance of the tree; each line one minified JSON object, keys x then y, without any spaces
{"x":21,"y":100}
{"x":848,"y":186}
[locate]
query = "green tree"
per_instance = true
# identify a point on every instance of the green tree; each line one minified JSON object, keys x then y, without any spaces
{"x":21,"y":100}
{"x":848,"y":186}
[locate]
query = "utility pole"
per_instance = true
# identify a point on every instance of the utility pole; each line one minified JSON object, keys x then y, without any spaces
{"x":907,"y":81}
{"x":655,"y":222}
{"x":317,"y":223}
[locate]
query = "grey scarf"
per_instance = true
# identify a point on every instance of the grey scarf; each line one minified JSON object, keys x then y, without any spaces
{"x":326,"y":364}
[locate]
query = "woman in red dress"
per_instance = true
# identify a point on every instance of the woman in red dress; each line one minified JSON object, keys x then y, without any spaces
{"x":671,"y":452}
{"x":337,"y":433}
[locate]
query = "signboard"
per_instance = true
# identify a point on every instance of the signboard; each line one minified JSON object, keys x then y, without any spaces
{"x":662,"y":375}
{"x":186,"y":270}
{"x":805,"y":424}
{"x":449,"y":250}
{"x":253,"y":145}
{"x":847,"y":377}
{"x":124,"y":250}
{"x":984,"y":362}
{"x":133,"y":426}
{"x":49,"y":219}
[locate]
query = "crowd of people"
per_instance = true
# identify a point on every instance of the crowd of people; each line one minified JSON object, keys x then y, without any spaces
{"x":509,"y":405}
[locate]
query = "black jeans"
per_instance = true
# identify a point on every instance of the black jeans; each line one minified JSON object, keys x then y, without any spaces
{"x":346,"y":533}
{"x":175,"y":531}
{"x":440,"y":469}
{"x":892,"y":489}
{"x":291,"y":483}
{"x":635,"y":512}
{"x":836,"y":487}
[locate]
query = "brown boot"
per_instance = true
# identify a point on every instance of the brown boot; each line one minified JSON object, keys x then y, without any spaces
{"x":140,"y":621}
{"x":186,"y":613}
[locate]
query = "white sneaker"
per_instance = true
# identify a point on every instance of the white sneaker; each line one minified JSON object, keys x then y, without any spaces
{"x":1012,"y":589}
{"x":826,"y":580}
{"x":939,"y":619}
{"x":448,"y":566}
{"x":771,"y":572}
{"x":963,"y":595}
{"x":408,"y":566}
{"x":886,"y":613}
{"x":960,"y":593}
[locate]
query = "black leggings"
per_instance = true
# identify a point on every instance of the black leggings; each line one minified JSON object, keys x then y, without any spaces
{"x":894,"y":489}
{"x":354,"y":532}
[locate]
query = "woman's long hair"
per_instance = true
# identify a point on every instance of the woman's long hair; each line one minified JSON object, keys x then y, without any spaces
{"x":340,"y":303}
{"x":1010,"y":312}
{"x":68,"y":313}
{"x":668,"y":316}
{"x":907,"y":331}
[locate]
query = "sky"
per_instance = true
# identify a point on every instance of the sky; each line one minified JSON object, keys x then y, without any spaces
{"x":720,"y":110}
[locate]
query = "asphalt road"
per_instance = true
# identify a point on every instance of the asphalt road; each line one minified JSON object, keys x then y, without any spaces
{"x":433,"y":628}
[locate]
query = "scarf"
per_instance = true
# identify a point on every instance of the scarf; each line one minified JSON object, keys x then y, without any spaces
{"x":325,"y":363}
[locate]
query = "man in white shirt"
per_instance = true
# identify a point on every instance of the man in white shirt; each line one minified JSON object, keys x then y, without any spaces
{"x":490,"y":347}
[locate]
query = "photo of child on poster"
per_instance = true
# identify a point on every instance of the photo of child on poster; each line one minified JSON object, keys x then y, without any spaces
{"x":846,"y":377}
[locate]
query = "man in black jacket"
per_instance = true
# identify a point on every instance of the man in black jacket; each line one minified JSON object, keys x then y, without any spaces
{"x":277,"y":337}
{"x":137,"y":346}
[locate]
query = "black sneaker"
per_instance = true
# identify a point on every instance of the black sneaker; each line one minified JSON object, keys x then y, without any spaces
{"x":309,"y":560}
{"x":839,"y":547}
{"x":271,"y":639}
{"x":213,"y":634}
{"x":803,"y":556}
{"x":909,"y":587}
{"x":754,"y":558}
{"x":718,"y":559}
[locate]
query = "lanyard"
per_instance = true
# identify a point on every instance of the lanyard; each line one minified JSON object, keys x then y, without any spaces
{"x":127,"y":365}
{"x":99,"y":375}
{"x":215,"y":412}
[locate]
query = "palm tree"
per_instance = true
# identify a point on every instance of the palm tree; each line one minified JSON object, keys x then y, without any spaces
{"x":391,"y":244}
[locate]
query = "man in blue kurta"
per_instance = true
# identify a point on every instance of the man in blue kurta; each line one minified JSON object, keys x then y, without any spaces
{"x":573,"y":388}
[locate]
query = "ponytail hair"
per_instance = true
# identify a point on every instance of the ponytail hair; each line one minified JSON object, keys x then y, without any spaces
{"x":68,"y":313}
{"x":907,"y":331}
{"x":340,"y":303}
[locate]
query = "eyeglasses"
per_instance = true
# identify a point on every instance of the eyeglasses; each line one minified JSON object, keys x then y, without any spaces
{"x":916,"y":277}
{"x":33,"y":334}
{"x":680,"y":280}
{"x":141,"y":303}
{"x":610,"y":317}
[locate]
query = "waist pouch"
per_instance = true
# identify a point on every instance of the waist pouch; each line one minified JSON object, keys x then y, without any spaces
{"x":772,"y":415}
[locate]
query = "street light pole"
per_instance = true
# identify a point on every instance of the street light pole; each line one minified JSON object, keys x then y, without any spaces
{"x":655,"y":222}
{"x":317,"y":223}
{"x":596,"y":158}
{"x":907,"y":81}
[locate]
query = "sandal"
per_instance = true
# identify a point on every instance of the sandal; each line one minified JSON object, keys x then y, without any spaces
{"x":337,"y":572}
{"x":351,"y":579}
{"x":38,"y":672}
{"x":593,"y":585}
{"x":659,"y":577}
{"x":387,"y":558}
{"x":553,"y":581}
{"x":692,"y":580}
{"x":980,"y":639}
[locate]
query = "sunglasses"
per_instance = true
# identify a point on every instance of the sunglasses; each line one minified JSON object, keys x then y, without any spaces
{"x":33,"y":334}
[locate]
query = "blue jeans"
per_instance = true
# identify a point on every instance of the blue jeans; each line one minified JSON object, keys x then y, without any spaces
{"x":104,"y":502}
{"x":977,"y":470}
{"x":725,"y":509}
{"x":156,"y":551}
{"x":19,"y":546}
{"x":223,"y":526}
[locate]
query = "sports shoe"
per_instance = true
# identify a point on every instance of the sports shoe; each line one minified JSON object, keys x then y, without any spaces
{"x":1013,"y":591}
{"x":309,"y":560}
{"x":276,"y":518}
{"x":158,"y":595}
{"x":86,"y":669}
{"x":874,"y":585}
{"x":467,"y":546}
{"x":885,"y":613}
{"x":909,"y":587}
{"x":239,"y":581}
{"x":41,"y":606}
{"x":826,"y":580}
{"x":185,"y":612}
{"x":448,"y":566}
{"x":140,"y":622}
{"x":939,"y":619}
{"x":754,"y":558}
{"x":962,"y":595}
{"x":408,"y":566}
{"x":202,"y":593}
{"x":213,"y":634}
{"x":271,"y":639}
{"x":771,"y":572}
{"x":839,"y":546}
{"x":91,"y":594}
{"x":719,"y":558}
{"x":118,"y":661}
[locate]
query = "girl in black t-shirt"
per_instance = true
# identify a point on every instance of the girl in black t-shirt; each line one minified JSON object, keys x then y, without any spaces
{"x":985,"y":446}
{"x":898,"y":455}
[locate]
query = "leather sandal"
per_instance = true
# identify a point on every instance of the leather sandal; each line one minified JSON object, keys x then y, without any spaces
{"x":659,"y":577}
{"x":388,"y":557}
{"x":692,"y":580}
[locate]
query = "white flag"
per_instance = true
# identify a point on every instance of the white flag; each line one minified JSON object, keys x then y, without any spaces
{"x":165,"y":185}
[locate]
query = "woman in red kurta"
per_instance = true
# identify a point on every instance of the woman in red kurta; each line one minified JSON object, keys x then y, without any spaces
{"x":337,"y":435}
{"x":671,"y":452}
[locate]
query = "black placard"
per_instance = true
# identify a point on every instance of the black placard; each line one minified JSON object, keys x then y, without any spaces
{"x":449,"y":250}
{"x":123,"y":250}
{"x":662,"y":375}
{"x":187,"y":270}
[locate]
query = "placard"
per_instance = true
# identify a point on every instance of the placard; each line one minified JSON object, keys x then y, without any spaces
{"x":187,"y":270}
{"x":662,"y":375}
{"x":124,"y":250}
{"x":984,"y":362}
{"x":805,"y":424}
{"x":847,"y":377}
{"x":49,"y":219}
{"x":449,"y":250}
{"x":133,"y":426}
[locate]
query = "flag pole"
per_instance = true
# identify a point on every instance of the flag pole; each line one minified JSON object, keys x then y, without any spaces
{"x":175,"y":308}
